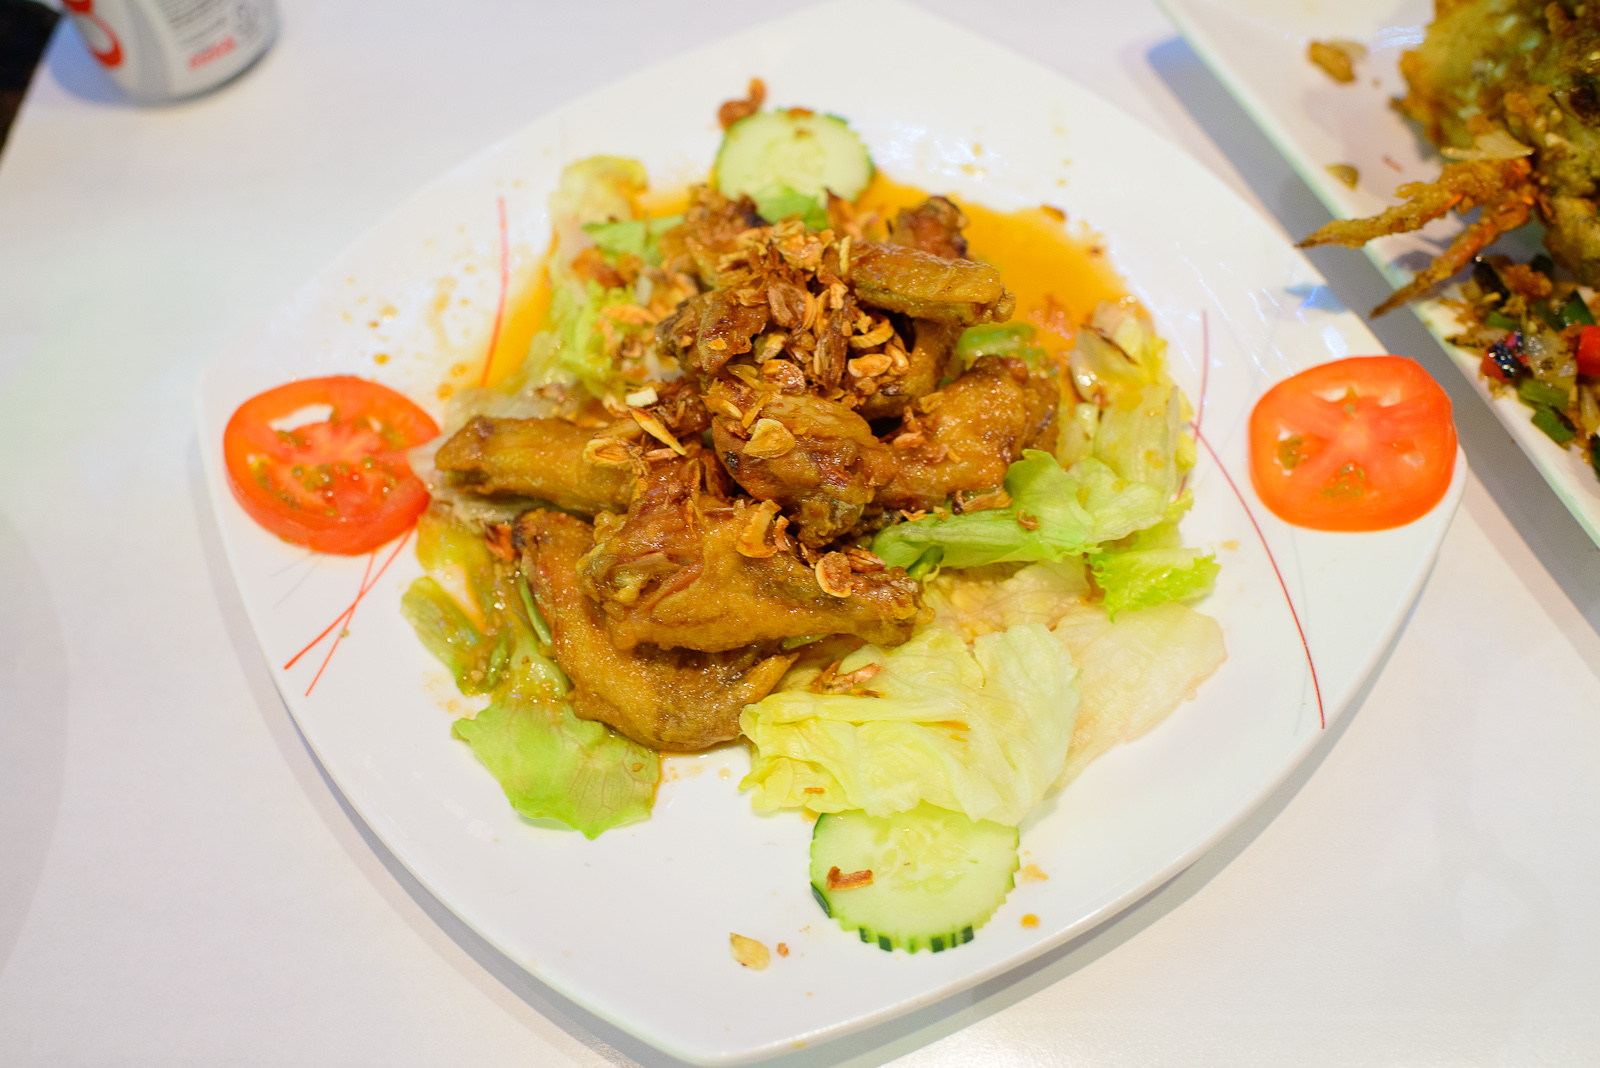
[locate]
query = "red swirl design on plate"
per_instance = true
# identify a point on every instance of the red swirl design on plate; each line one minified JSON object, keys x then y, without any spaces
{"x":368,"y":580}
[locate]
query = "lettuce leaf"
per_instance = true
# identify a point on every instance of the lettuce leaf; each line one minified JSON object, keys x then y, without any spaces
{"x":553,"y":765}
{"x":1148,"y":577}
{"x":633,"y":237}
{"x":1066,"y":512}
{"x":550,"y":763}
{"x":475,"y":659}
{"x":972,"y":603}
{"x":1119,"y":471}
{"x":1137,"y":437}
{"x":1134,"y":671}
{"x":595,"y":202}
{"x":982,"y":732}
{"x":596,"y":189}
{"x":576,"y":306}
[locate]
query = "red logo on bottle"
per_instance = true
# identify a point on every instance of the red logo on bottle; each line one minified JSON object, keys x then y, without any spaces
{"x":111,"y":54}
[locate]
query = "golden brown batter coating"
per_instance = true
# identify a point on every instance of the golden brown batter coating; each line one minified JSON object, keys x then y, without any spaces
{"x":925,"y":286}
{"x":974,"y":429}
{"x":685,"y":569}
{"x":815,"y":458}
{"x":677,"y":700}
{"x":540,"y":458}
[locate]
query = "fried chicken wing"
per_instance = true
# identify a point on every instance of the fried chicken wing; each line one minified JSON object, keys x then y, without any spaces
{"x":925,"y":286}
{"x":815,"y":458}
{"x":678,"y":700}
{"x":926,"y":363}
{"x":685,"y":570}
{"x":710,"y":329}
{"x":549,"y":459}
{"x":934,"y":226}
{"x":974,"y":429}
{"x":711,"y":228}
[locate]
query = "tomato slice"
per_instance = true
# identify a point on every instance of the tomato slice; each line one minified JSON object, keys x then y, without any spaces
{"x":340,"y":484}
{"x":1359,"y":444}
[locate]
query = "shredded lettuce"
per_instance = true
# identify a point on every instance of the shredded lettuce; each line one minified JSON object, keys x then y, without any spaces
{"x":1076,"y":424}
{"x":475,"y":659}
{"x":576,"y":307}
{"x":1118,"y":471}
{"x":597,"y":189}
{"x":595,"y":203}
{"x":551,"y":764}
{"x":1136,"y":336}
{"x":1053,"y":514}
{"x":1153,"y":566}
{"x":982,"y":732}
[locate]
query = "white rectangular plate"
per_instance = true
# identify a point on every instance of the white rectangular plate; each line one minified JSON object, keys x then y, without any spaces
{"x":1257,"y":48}
{"x":634,"y":926}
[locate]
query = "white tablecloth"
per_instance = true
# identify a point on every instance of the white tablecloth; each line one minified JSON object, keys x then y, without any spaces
{"x":180,"y":885}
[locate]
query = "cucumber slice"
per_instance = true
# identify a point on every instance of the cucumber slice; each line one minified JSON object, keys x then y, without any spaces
{"x":772,"y":151}
{"x":936,"y":875}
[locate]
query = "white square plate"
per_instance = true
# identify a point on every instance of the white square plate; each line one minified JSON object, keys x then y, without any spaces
{"x":634,"y":926}
{"x":1257,"y":48}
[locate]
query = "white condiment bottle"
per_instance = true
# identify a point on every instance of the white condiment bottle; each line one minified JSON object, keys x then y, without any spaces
{"x":163,"y":50}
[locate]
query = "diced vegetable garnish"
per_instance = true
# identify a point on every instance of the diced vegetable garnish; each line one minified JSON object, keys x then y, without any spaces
{"x":997,"y":339}
{"x":1555,"y":425}
{"x":1589,"y":351}
{"x":1575,"y":312}
{"x":1537,"y":393}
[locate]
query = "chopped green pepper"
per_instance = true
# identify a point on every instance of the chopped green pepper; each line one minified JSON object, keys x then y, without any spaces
{"x":1500,"y":321}
{"x":997,"y":339}
{"x":1541,"y":394}
{"x":1554,"y":424}
{"x":1575,"y":312}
